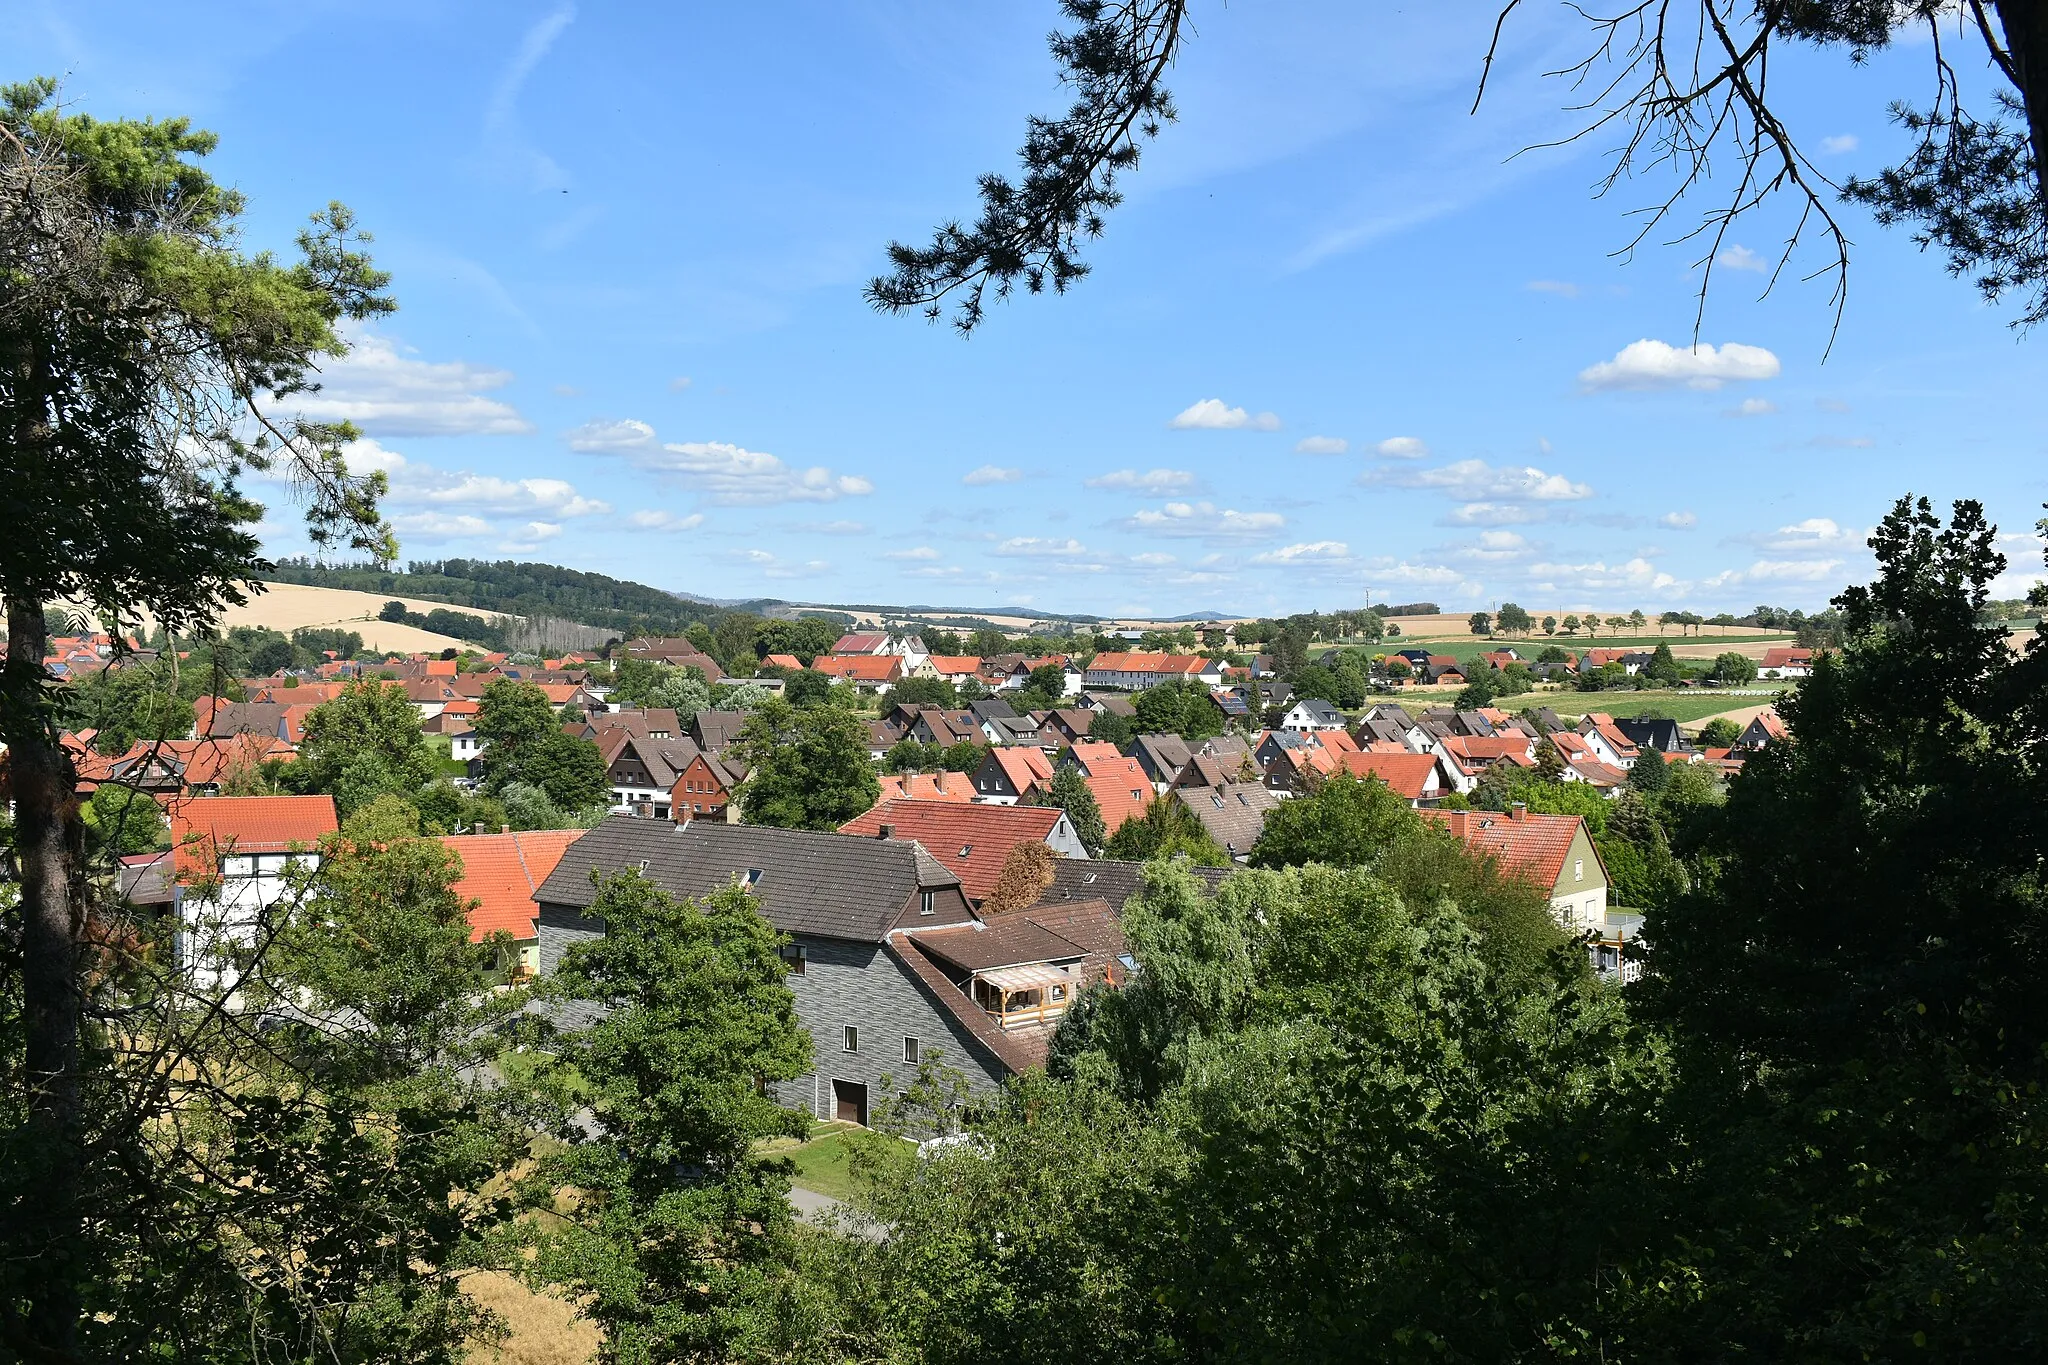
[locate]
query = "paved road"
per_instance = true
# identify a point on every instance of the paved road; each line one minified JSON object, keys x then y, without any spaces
{"x":822,"y":1210}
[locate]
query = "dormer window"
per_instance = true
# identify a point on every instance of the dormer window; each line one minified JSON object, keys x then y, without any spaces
{"x":966,"y":849}
{"x":754,"y":875}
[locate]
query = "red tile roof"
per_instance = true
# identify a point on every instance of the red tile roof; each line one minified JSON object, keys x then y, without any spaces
{"x":950,"y":665}
{"x":860,"y":668}
{"x":789,"y":661}
{"x":1783,"y":656}
{"x":1404,"y":773}
{"x":500,"y":872}
{"x":1091,"y":752}
{"x":926,"y":787}
{"x":1024,"y":766}
{"x":865,"y":642}
{"x":970,"y":841}
{"x":1526,"y":841}
{"x":204,"y":826}
{"x":1177,"y":665}
{"x":1122,"y":790}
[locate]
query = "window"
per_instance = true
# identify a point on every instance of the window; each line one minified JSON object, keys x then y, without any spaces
{"x":1578,"y":869}
{"x":793,"y":958}
{"x":754,"y":875}
{"x":849,"y":1039}
{"x":966,"y":849}
{"x":928,"y":903}
{"x":912,"y":1050}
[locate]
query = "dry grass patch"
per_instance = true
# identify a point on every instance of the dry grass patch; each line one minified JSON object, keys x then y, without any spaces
{"x":545,"y":1329}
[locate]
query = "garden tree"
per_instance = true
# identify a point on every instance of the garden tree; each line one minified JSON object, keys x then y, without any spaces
{"x":445,"y":808}
{"x":738,"y":696}
{"x":1069,"y":791}
{"x":1108,"y":727}
{"x":1398,"y":668}
{"x":987,"y":641}
{"x":946,"y":642}
{"x":679,"y":1242}
{"x":1513,"y":620}
{"x":1481,"y":623}
{"x":525,"y":744}
{"x":910,"y":756}
{"x":1663,"y":667}
{"x":634,"y":680}
{"x":1483,"y":686}
{"x":1347,"y":822}
{"x":1734,"y":667}
{"x":1643,"y":873}
{"x":1550,"y":765}
{"x":964,"y":757}
{"x":1381,"y":1148}
{"x":1719,"y":733}
{"x":684,"y":691}
{"x":806,"y":637}
{"x":925,"y":692}
{"x":1027,"y":873}
{"x":129,"y":705}
{"x":1167,"y":829}
{"x":1683,"y":81}
{"x":806,"y":689}
{"x":1044,"y":688}
{"x":121,"y":820}
{"x":363,"y":744}
{"x":1650,"y":773}
{"x":808,"y":769}
{"x":1180,"y":707}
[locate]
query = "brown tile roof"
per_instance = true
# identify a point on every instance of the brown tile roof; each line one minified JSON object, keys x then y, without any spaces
{"x":1234,"y":813}
{"x":1168,"y":665}
{"x":860,"y":668}
{"x":926,"y":787}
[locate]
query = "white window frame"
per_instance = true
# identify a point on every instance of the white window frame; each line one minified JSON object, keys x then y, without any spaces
{"x":849,"y":1038}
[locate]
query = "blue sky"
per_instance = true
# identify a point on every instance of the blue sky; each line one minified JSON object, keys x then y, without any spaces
{"x":1338,"y":339}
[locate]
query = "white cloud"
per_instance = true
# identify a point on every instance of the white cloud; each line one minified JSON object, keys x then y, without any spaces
{"x":1389,"y":572}
{"x":1739,"y":257}
{"x":1753,"y":407}
{"x":366,"y":456}
{"x":529,"y":537}
{"x":1562,"y":288}
{"x":389,"y":394}
{"x":1206,"y":521}
{"x":609,"y":437}
{"x":1599,"y":575}
{"x":1679,"y":521}
{"x":1813,"y":536}
{"x":834,"y":528}
{"x":920,"y":552}
{"x":1153,"y":558}
{"x":1403,"y":448}
{"x":772,"y":566}
{"x":1496,"y":546}
{"x":1038,"y":547}
{"x":1213,"y":414}
{"x":664,"y":520}
{"x":679,"y":383}
{"x":440,"y":525}
{"x":1151,"y":481}
{"x":1322,"y":445}
{"x":504,"y":143}
{"x":1471,"y":481}
{"x":988,"y":474}
{"x":733,"y":476}
{"x":1648,"y":364}
{"x":1778,"y":571}
{"x":1840,"y":143}
{"x":493,"y":494}
{"x":1312,"y":552}
{"x":1495,"y":514}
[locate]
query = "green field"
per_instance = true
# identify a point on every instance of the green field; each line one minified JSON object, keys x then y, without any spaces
{"x":1684,"y":707}
{"x":823,"y":1163}
{"x":1466,"y":645}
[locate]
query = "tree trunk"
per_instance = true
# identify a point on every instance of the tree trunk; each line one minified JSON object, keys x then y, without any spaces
{"x":45,"y":827}
{"x":2026,"y":41}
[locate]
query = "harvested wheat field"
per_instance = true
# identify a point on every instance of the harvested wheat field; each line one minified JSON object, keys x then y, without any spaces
{"x":545,"y":1330}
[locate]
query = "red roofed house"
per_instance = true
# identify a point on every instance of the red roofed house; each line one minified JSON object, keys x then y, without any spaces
{"x":1122,"y":789}
{"x":500,"y":873}
{"x":1786,"y":661}
{"x":704,"y":789}
{"x":875,"y":673}
{"x":1466,"y":757}
{"x":971,"y":841}
{"x":1605,"y":741}
{"x":1418,"y":778}
{"x":1136,"y":672}
{"x":940,"y":786}
{"x":862,"y":642}
{"x":1012,"y":773}
{"x":1764,"y":730}
{"x":955,"y":668}
{"x":231,"y":856}
{"x":1090,"y":754}
{"x":1554,"y":851}
{"x":785,"y":661}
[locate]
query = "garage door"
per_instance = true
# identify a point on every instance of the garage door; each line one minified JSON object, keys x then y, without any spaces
{"x":850,"y":1102}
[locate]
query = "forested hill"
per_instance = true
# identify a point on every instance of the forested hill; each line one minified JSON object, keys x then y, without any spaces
{"x":532,"y":590}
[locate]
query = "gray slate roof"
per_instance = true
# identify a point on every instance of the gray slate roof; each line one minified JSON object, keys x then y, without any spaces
{"x":827,"y":885}
{"x":1109,"y":879}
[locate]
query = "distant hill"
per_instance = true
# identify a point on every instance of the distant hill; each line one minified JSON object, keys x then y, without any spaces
{"x":507,"y":588}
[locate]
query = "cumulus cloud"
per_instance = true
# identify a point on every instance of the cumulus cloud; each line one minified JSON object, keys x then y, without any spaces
{"x":1403,"y":448}
{"x":1753,"y":407}
{"x":1839,"y":144}
{"x":988,"y":474}
{"x":604,"y":437}
{"x":1494,"y":546}
{"x":920,"y":552}
{"x":1679,"y":521}
{"x":1562,"y":288}
{"x":1599,"y":575}
{"x":1648,"y":364}
{"x":440,"y":525}
{"x":774,"y":566}
{"x":1150,"y":481}
{"x":1813,"y":536}
{"x":1033,"y":547}
{"x":1322,"y":445}
{"x":1777,"y":571}
{"x":1205,"y":521}
{"x":1471,"y":481}
{"x":529,"y":537}
{"x":663,"y":520}
{"x":1311,"y":552}
{"x":415,"y":484}
{"x":1213,"y":414}
{"x":1739,"y":257}
{"x":1400,"y":573}
{"x":727,"y":475}
{"x":1495,"y":514}
{"x":388,"y":393}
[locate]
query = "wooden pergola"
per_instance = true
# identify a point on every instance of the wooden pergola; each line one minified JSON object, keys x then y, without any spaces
{"x":1037,"y":993}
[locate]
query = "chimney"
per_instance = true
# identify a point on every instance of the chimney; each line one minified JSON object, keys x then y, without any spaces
{"x":504,"y":829}
{"x":1518,"y":810}
{"x":886,"y":832}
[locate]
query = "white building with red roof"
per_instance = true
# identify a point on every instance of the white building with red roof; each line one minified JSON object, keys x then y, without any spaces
{"x":1553,"y":851}
{"x":234,"y":858}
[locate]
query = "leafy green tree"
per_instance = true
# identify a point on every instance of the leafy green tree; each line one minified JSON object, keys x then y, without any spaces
{"x":1550,"y":625}
{"x":806,"y":638}
{"x":1734,"y":668}
{"x":680,"y":1243}
{"x":925,"y":692}
{"x":1481,"y":623}
{"x":121,"y":820}
{"x":363,"y":744}
{"x":1167,"y":829}
{"x":1719,"y":733}
{"x":130,"y":705}
{"x":1348,"y":822}
{"x":809,"y":768}
{"x":1650,"y":773}
{"x":1514,"y":620}
{"x":807,"y":689}
{"x":525,"y":744}
{"x":1571,"y":625}
{"x":1107,"y":727}
{"x":1070,"y":792}
{"x":1636,"y":620}
{"x":685,"y":692}
{"x":1178,"y":708}
{"x":908,"y":755}
{"x":1663,"y":668}
{"x":570,"y":770}
{"x":392,"y":611}
{"x":964,"y":757}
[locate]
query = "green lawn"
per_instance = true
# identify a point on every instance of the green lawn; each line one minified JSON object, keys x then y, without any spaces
{"x":1685,"y":706}
{"x":823,"y":1163}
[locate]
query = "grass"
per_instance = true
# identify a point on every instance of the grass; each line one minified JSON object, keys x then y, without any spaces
{"x":544,"y":1330}
{"x":1679,"y":706}
{"x":823,"y":1161}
